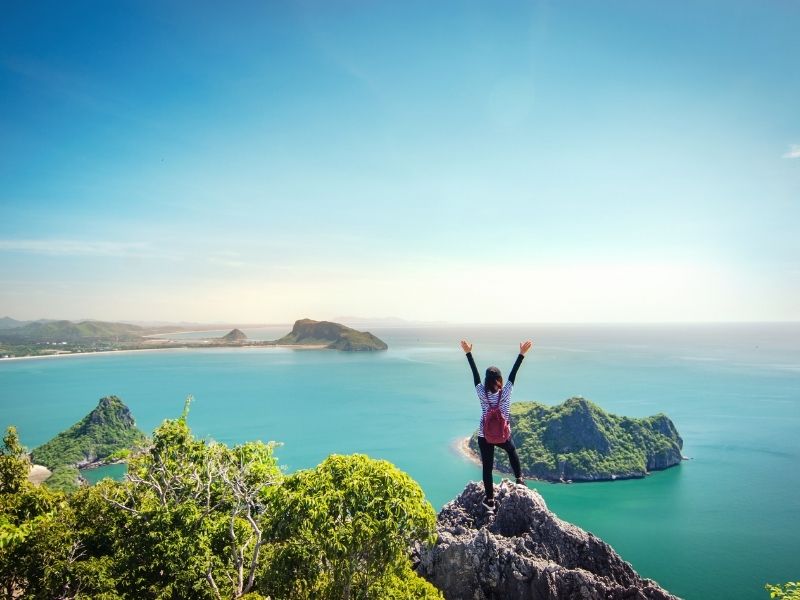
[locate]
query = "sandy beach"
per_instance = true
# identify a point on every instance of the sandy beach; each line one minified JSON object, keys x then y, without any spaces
{"x":38,"y":474}
{"x":461,"y":446}
{"x":177,"y":349}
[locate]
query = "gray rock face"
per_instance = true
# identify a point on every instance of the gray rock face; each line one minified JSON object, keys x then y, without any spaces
{"x":523,"y":551}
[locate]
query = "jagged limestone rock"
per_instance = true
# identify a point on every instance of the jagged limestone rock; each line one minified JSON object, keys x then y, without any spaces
{"x":523,"y":552}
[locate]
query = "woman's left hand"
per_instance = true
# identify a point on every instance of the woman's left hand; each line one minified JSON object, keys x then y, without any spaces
{"x":525,"y":346}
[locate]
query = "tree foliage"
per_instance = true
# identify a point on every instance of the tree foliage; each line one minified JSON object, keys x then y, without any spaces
{"x":343,"y":529}
{"x":198,"y":519}
{"x":785,"y":591}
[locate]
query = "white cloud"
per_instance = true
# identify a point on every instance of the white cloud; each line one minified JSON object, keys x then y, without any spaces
{"x":794,"y":152}
{"x":76,"y":248}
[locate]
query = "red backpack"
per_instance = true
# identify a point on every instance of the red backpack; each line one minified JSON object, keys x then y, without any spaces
{"x":496,"y":429}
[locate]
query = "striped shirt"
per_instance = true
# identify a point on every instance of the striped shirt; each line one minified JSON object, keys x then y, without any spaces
{"x":504,"y":396}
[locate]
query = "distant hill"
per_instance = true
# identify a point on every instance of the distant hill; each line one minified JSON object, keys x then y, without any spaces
{"x":332,"y":335}
{"x":577,"y":440}
{"x":106,"y":431}
{"x":9,"y":323}
{"x":58,"y":331}
{"x":234,"y":336}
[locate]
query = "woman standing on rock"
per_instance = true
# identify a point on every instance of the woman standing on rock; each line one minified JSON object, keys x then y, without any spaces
{"x":495,"y":399}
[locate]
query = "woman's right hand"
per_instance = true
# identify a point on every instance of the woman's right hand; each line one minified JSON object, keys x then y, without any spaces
{"x":466,"y":346}
{"x":524,"y":347}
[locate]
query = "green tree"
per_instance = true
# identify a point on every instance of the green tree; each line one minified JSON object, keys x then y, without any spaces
{"x":22,"y":509}
{"x":41,"y":554}
{"x":14,"y":463}
{"x":192,"y":508}
{"x":197,"y":519}
{"x":786,"y":591}
{"x":343,"y":530}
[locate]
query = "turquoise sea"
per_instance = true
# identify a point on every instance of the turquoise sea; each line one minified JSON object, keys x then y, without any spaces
{"x":718,"y":526}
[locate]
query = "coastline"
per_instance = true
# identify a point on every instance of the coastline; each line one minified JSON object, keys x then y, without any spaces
{"x":461,"y":446}
{"x":39,"y":474}
{"x":177,"y":348}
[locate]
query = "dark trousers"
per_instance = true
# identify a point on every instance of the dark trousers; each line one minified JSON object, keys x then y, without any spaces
{"x":487,"y":460}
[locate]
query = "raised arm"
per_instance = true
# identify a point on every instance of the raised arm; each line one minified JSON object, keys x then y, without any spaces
{"x":523,"y":349}
{"x":467,"y":348}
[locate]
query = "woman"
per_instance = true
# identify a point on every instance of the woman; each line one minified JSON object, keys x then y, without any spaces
{"x":490,"y":393}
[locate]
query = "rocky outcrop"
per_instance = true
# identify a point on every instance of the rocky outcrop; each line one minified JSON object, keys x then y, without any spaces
{"x":523,"y":552}
{"x":331,"y":335}
{"x":234,"y":336}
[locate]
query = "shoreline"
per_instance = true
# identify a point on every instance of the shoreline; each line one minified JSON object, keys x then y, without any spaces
{"x":38,"y":474}
{"x":461,"y":446}
{"x":177,"y":348}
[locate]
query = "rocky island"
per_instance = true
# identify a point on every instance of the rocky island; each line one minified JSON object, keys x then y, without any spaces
{"x":578,"y":441}
{"x":523,"y":551}
{"x":331,"y":335}
{"x":108,"y":433}
{"x":234,"y":336}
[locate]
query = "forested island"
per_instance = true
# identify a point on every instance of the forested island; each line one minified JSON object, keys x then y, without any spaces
{"x":578,"y":441}
{"x":107,"y":434}
{"x":53,"y":338}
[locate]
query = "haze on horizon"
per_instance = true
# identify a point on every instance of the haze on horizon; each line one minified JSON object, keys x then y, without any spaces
{"x":625,"y":162}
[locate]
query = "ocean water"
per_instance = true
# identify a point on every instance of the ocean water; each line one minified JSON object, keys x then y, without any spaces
{"x":718,"y":526}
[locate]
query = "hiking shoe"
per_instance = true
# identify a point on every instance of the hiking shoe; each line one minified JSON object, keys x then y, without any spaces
{"x":520,"y":481}
{"x":489,"y":504}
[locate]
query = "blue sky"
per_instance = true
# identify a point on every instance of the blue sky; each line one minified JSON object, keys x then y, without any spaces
{"x":459,"y":161}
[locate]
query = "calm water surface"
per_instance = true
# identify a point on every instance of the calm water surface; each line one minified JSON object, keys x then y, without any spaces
{"x":718,"y":526}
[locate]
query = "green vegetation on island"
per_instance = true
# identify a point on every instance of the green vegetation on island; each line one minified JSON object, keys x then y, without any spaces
{"x":331,"y":335}
{"x":578,"y":441}
{"x":106,"y":434}
{"x":201,"y":520}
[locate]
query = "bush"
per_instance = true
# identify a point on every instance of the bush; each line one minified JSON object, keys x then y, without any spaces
{"x":343,"y":530}
{"x":786,"y":591}
{"x":198,"y":519}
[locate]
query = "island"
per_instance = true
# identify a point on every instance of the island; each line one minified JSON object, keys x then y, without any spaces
{"x":107,"y":434}
{"x":55,"y":338}
{"x":234,"y":336}
{"x":578,"y":441}
{"x":331,"y":335}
